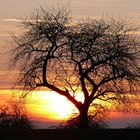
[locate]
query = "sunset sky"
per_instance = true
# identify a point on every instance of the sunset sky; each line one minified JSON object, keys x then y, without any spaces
{"x":13,"y":10}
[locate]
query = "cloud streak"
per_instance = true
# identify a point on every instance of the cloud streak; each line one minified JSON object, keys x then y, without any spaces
{"x":11,"y":20}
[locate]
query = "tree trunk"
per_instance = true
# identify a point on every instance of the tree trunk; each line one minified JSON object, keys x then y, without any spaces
{"x":83,"y":119}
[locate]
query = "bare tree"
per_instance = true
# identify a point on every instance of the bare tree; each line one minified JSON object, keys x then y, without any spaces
{"x":94,"y":59}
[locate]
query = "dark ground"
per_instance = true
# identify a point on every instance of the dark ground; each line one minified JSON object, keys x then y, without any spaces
{"x":48,"y":134}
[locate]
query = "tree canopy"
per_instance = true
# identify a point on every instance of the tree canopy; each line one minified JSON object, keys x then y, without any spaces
{"x":96,"y":58}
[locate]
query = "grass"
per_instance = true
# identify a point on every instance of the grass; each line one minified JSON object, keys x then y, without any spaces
{"x":61,"y":134}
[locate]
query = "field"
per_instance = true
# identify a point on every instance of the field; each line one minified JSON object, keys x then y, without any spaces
{"x":48,"y":134}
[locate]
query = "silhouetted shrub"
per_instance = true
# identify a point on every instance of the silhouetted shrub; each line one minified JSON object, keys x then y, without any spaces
{"x":14,"y":116}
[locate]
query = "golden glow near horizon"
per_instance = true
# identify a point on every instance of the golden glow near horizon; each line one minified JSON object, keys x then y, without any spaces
{"x":44,"y":104}
{"x":52,"y":105}
{"x":48,"y":105}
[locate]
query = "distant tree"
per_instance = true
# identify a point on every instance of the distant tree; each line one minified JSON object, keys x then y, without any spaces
{"x":97,"y":60}
{"x":14,"y":116}
{"x":133,"y":126}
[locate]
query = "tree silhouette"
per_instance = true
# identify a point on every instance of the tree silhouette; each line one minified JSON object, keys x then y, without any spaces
{"x":133,"y":126}
{"x":94,"y":59}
